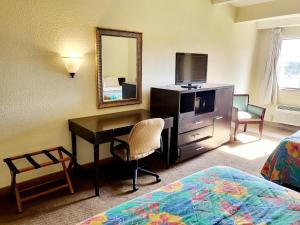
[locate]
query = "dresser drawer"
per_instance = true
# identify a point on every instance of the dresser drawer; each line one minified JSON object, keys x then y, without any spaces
{"x":195,"y":135}
{"x":188,"y":151}
{"x":195,"y":122}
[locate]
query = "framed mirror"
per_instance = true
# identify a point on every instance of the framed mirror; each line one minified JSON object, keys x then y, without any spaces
{"x":119,"y":59}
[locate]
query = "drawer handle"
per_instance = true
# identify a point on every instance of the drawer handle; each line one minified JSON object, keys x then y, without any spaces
{"x":199,"y":122}
{"x":194,"y":135}
{"x":198,"y":149}
{"x":218,"y":117}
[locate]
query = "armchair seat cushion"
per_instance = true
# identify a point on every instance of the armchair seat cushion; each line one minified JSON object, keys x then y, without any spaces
{"x":247,"y":116}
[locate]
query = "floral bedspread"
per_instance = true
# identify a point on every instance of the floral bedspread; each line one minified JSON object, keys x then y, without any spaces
{"x":283,"y":165}
{"x":218,"y":195}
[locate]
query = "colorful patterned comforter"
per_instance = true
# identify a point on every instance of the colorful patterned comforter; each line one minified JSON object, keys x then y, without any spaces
{"x":283,"y":165}
{"x":219,"y":195}
{"x":112,"y":95}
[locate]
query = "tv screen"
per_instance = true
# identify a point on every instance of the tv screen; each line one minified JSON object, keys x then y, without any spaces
{"x":191,"y":68}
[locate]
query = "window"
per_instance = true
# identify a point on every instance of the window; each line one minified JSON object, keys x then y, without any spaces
{"x":289,"y":64}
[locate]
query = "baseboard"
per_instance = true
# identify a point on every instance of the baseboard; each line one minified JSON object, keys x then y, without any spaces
{"x":282,"y":126}
{"x":52,"y":176}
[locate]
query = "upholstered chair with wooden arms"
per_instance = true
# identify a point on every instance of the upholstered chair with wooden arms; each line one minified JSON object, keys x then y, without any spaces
{"x":245,"y":113}
{"x":143,"y":140}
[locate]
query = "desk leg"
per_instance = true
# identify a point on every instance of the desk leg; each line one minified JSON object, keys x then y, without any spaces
{"x":168,"y":148}
{"x":74,"y":152}
{"x":96,"y":165}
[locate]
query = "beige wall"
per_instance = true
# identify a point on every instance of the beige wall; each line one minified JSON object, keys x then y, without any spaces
{"x":37,"y":96}
{"x":286,"y":97}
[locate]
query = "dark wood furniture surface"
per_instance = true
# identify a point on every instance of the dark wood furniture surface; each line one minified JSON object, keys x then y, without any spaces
{"x":64,"y":156}
{"x":202,"y":117}
{"x":244,"y":122}
{"x":103,"y":128}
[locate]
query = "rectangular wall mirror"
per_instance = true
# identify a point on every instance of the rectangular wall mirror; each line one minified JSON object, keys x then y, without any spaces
{"x":119,"y":58}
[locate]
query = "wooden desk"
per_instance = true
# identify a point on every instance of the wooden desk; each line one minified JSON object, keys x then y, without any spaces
{"x":102,"y":128}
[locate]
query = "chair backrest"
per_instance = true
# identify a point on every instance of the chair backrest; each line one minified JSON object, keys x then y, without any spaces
{"x":144,"y":137}
{"x":241,"y":102}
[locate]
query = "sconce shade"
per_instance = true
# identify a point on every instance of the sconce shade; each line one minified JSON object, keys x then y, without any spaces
{"x":72,"y":64}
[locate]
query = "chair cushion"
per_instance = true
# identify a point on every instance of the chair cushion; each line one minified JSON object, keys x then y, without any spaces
{"x":120,"y":150}
{"x":247,"y":116}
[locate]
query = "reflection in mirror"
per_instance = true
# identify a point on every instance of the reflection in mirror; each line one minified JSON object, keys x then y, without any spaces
{"x":119,"y":68}
{"x":119,"y":71}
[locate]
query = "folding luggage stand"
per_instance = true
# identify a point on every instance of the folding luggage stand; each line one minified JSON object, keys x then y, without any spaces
{"x":34,"y":165}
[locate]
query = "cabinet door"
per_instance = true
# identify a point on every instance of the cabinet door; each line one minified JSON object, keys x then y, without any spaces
{"x":223,"y":113}
{"x":222,"y":119}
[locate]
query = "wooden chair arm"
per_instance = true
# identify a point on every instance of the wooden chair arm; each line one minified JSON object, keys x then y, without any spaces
{"x":259,"y":107}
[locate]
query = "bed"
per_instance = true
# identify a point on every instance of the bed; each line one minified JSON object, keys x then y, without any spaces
{"x":112,"y":89}
{"x":218,"y":195}
{"x":112,"y":93}
{"x":283,"y":165}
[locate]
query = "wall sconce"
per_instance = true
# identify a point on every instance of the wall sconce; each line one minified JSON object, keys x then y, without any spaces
{"x":72,"y":64}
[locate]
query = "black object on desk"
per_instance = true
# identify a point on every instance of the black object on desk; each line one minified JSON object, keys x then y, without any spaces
{"x":102,"y":128}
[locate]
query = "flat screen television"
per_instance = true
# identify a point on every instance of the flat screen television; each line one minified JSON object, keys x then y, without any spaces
{"x":191,"y":68}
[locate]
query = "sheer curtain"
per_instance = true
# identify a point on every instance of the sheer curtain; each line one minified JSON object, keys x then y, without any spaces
{"x":269,"y":85}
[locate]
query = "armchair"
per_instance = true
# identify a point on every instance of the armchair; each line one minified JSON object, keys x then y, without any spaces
{"x":245,"y":113}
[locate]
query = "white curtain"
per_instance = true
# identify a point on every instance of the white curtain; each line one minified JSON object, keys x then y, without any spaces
{"x":269,"y":85}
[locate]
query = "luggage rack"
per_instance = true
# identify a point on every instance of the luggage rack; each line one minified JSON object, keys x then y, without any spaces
{"x":64,"y":156}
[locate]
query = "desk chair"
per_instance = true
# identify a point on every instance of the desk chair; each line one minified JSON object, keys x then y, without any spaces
{"x":143,"y":140}
{"x":245,"y":113}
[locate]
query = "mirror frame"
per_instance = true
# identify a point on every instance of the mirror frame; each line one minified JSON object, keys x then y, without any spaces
{"x":118,"y":33}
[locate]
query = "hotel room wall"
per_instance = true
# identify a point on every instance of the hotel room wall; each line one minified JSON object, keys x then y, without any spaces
{"x":285,"y":97}
{"x":37,"y":96}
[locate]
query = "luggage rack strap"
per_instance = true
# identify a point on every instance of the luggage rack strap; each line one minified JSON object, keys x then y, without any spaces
{"x":65,"y":151}
{"x":32,"y":161}
{"x":11,"y":166}
{"x":50,"y":156}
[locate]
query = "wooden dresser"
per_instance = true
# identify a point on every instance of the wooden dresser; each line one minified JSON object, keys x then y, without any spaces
{"x":202,"y":117}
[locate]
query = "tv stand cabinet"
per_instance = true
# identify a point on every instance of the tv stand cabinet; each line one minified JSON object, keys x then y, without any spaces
{"x":202,"y":117}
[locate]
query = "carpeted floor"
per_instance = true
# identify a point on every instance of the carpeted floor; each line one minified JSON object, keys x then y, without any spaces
{"x":247,"y":154}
